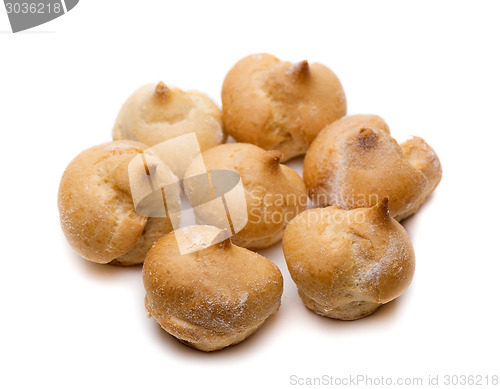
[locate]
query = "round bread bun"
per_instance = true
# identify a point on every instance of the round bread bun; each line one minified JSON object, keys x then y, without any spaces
{"x":213,"y":297}
{"x":278,"y":105}
{"x":97,"y":211}
{"x":154,"y":114}
{"x":274,"y":193}
{"x":346,"y":264}
{"x":354,"y":162}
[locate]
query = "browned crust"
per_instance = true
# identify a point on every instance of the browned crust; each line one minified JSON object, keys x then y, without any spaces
{"x":213,"y":297}
{"x":95,"y":206}
{"x":278,"y":105}
{"x":274,"y":192}
{"x":341,"y":260}
{"x":354,"y":162}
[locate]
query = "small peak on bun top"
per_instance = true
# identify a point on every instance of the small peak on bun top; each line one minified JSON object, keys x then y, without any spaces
{"x":161,"y":90}
{"x":300,"y":70}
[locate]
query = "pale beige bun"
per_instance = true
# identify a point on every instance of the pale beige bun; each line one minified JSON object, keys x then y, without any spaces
{"x":346,"y":264}
{"x":274,"y":193}
{"x":154,"y":114}
{"x":354,"y":162}
{"x":278,"y":105}
{"x":210,"y":298}
{"x":96,"y":208}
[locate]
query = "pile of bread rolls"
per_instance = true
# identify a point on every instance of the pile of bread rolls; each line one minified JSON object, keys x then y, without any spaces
{"x":348,"y":255}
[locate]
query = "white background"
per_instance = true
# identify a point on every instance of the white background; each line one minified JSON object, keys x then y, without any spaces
{"x":429,"y":69}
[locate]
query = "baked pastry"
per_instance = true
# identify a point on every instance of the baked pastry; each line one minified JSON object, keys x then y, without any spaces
{"x":212,"y":297}
{"x":278,"y":105}
{"x":97,"y":210}
{"x":154,"y":114}
{"x":346,"y":264}
{"x":354,"y":162}
{"x":274,"y":193}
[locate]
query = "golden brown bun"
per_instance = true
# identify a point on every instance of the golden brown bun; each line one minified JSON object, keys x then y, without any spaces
{"x":423,"y":158}
{"x":354,"y":162}
{"x":278,"y":105}
{"x":96,"y":209}
{"x":154,"y":114}
{"x":213,"y":297}
{"x":348,"y":263}
{"x":156,"y":227}
{"x":274,"y":193}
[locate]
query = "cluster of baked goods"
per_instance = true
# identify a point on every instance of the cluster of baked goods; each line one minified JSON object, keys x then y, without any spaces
{"x":348,"y":256}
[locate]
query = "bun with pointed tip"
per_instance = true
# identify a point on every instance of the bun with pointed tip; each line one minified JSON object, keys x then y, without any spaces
{"x":96,"y":207}
{"x":156,"y":113}
{"x":212,"y":297}
{"x":274,"y":193}
{"x":346,"y":264}
{"x":354,"y":162}
{"x":278,"y":105}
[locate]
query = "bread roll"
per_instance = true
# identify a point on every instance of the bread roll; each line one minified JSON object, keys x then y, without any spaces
{"x":213,"y":297}
{"x":346,"y":264}
{"x":97,"y":211}
{"x":274,"y":193}
{"x":278,"y":105}
{"x":153,"y":114}
{"x":354,"y":162}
